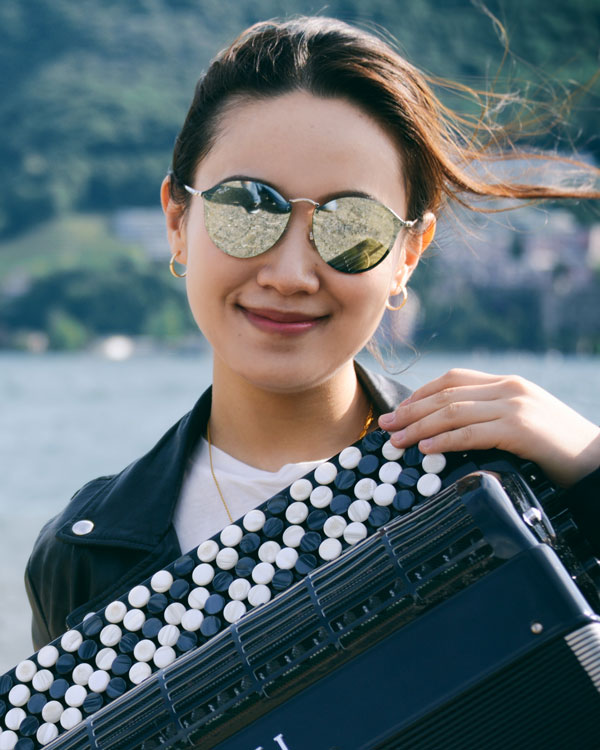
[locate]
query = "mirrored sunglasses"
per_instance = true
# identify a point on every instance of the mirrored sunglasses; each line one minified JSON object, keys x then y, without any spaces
{"x":245,"y":218}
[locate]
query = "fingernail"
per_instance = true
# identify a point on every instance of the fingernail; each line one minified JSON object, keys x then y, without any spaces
{"x":387,"y":418}
{"x":426,"y":443}
{"x":398,"y":437}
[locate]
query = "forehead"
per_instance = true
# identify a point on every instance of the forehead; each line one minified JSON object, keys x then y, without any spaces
{"x":305,"y":146}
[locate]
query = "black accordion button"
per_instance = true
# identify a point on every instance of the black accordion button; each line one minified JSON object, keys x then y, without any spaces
{"x":121,"y":665}
{"x":65,"y":663}
{"x":36,"y":703}
{"x":316,"y":520}
{"x":92,"y":626}
{"x":29,"y":726}
{"x":249,"y":543}
{"x":117,"y":686}
{"x":86,"y":651}
{"x":412,"y":456}
{"x":273,"y":527}
{"x":244,"y":567}
{"x":25,"y":743}
{"x":2,"y":708}
{"x":310,"y":541}
{"x":128,"y":642}
{"x":340,"y":504}
{"x":214,"y":604}
{"x":151,"y":627}
{"x":408,"y":478}
{"x":6,"y":683}
{"x":379,"y":516}
{"x":157,"y":603}
{"x":179,"y":589}
{"x":58,"y":688}
{"x":187,"y":641}
{"x":404,"y":500}
{"x":345,"y":479}
{"x":277,"y":505}
{"x":93,"y":702}
{"x":222,"y":581}
{"x":210,"y":626}
{"x":368,"y":464}
{"x":305,"y":563}
{"x":373,"y":441}
{"x":282,"y":579}
{"x":184,"y":566}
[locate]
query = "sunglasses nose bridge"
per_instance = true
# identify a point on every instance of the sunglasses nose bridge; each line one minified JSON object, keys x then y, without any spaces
{"x":310,"y":213}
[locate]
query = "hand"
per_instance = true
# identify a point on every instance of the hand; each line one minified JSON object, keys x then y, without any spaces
{"x":467,"y":409}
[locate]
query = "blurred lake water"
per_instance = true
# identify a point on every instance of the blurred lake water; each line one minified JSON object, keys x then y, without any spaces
{"x":66,"y":418}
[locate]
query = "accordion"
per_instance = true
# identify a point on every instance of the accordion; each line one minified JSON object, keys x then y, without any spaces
{"x":410,"y":602}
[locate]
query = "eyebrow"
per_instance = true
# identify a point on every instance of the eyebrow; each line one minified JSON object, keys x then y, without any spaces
{"x":332,"y":196}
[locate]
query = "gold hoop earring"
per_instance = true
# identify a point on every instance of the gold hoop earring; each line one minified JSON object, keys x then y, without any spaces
{"x":402,"y":291}
{"x":173,"y":271}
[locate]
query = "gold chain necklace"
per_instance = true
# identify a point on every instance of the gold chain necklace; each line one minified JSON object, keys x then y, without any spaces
{"x":364,"y":431}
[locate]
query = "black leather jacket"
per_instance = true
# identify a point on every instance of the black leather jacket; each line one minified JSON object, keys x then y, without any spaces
{"x":69,"y":575}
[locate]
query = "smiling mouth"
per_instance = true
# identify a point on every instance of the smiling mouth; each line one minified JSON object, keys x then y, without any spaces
{"x":280,"y":321}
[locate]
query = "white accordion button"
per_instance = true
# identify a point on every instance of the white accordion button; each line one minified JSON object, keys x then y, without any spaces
{"x":325,"y":473}
{"x":359,"y":510}
{"x":254,"y":520}
{"x":174,"y":612}
{"x":139,"y":672}
{"x":168,"y":635}
{"x":161,"y":581}
{"x":350,"y":457}
{"x":334,"y":526}
{"x":355,"y":532}
{"x":301,"y":489}
{"x":81,"y":674}
{"x":144,"y":650}
{"x":138,"y":596}
{"x":329,"y":549}
{"x":260,"y":594}
{"x":19,"y":695}
{"x":365,"y":488}
{"x":42,"y":680}
{"x":134,"y":620}
{"x":71,"y":640}
{"x":384,"y":494}
{"x":233,"y":611}
{"x":47,"y":732}
{"x":263,"y":573}
{"x":13,"y":718}
{"x":433,"y":463}
{"x":429,"y":484}
{"x":227,"y":558}
{"x":105,"y":658}
{"x":25,"y":670}
{"x":99,"y":681}
{"x":390,"y":451}
{"x":164,"y":656}
{"x":296,"y":512}
{"x":115,"y":612}
{"x":75,"y":696}
{"x":203,"y":574}
{"x":292,"y":536}
{"x":390,"y":472}
{"x":267,"y":552}
{"x":110,"y":635}
{"x":52,"y":711}
{"x":230,"y":536}
{"x":207,"y":551}
{"x":286,"y":558}
{"x":238,"y":589}
{"x":321,"y":496}
{"x":8,"y":740}
{"x":47,"y":656}
{"x":192,"y":620}
{"x":70,"y":718}
{"x":197,"y":597}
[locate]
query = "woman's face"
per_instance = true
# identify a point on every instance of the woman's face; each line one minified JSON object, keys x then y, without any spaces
{"x":286,"y":321}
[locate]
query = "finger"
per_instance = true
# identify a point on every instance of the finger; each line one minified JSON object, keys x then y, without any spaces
{"x":451,"y":417}
{"x":480,"y":436}
{"x":453,"y":379}
{"x":408,"y":413}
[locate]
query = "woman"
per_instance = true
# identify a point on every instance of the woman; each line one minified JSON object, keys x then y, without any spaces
{"x":303,"y":192}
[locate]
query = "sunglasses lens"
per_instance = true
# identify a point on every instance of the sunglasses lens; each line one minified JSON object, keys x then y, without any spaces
{"x":353,"y":234}
{"x":244,"y":218}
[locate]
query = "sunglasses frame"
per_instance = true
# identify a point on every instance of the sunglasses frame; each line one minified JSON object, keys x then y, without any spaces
{"x":399,"y":221}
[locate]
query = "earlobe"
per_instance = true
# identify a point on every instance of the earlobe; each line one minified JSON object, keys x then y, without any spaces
{"x":175,"y":224}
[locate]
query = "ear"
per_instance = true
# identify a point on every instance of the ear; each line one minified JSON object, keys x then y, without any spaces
{"x":174,"y":215}
{"x":415,"y":245}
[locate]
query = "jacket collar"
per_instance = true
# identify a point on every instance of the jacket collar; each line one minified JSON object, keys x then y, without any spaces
{"x":135,"y":507}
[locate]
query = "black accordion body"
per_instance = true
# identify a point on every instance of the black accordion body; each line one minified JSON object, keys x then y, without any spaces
{"x":383,"y":602}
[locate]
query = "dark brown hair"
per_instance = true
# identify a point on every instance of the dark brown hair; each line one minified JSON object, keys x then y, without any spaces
{"x":444,"y":154}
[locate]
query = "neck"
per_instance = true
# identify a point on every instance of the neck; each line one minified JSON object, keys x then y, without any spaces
{"x":268,"y":429}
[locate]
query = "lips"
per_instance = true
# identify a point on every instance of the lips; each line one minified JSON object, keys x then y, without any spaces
{"x":281,"y":321}
{"x":281,"y":316}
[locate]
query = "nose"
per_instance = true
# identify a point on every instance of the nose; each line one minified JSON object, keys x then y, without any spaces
{"x":291,"y":265}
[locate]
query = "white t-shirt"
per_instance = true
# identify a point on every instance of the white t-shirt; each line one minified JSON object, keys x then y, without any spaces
{"x":199,"y":513}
